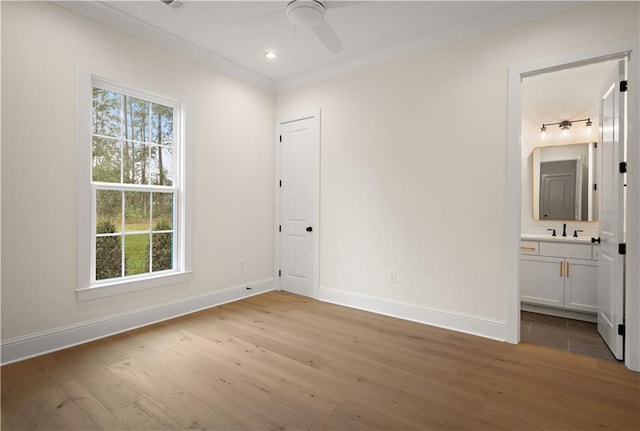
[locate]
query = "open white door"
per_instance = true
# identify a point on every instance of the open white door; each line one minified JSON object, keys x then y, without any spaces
{"x":611,"y":215}
{"x":299,"y":150}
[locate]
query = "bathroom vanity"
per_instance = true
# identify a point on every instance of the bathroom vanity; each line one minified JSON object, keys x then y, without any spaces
{"x":558,"y":275}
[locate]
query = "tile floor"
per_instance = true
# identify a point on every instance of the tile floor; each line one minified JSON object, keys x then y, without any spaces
{"x":565,"y":334}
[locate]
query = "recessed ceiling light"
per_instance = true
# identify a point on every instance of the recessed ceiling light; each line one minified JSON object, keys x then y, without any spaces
{"x":271,"y":55}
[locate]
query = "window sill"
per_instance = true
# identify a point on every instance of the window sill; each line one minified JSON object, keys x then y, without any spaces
{"x":127,"y":286}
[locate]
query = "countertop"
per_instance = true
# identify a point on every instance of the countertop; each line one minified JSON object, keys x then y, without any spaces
{"x":558,"y":238}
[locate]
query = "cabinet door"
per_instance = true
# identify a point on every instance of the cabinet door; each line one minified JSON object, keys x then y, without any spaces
{"x":541,"y":280}
{"x":580,"y":285}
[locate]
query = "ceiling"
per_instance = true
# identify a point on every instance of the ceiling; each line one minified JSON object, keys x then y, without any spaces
{"x":232,"y":36}
{"x":569,"y":94}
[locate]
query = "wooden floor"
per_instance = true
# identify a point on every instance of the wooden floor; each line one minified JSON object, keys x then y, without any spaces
{"x":283,"y":362}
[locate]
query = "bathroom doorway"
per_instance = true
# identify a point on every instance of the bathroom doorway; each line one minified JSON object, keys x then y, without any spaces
{"x":526,"y":125}
{"x":561,"y":125}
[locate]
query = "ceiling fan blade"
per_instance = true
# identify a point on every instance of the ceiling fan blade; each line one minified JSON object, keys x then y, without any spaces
{"x":328,"y":37}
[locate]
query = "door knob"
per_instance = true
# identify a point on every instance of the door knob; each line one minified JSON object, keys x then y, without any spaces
{"x":309,"y":229}
{"x":594,"y":240}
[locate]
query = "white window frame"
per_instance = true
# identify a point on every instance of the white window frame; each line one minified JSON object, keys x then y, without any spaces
{"x":88,"y":288}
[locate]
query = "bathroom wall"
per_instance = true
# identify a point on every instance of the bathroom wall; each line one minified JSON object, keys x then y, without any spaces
{"x":553,"y":97}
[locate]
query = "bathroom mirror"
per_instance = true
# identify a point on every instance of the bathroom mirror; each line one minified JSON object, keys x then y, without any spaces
{"x":564,"y":182}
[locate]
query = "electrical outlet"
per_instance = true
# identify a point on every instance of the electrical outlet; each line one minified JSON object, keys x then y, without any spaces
{"x":392,"y":276}
{"x":242,"y":266}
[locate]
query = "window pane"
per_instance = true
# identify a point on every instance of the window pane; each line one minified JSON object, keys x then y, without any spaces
{"x":136,"y":254}
{"x":108,"y":211}
{"x":137,"y":206}
{"x":136,"y":117}
{"x":106,"y":160}
{"x":161,"y":124}
{"x":162,"y":251}
{"x":162,"y":211}
{"x":161,"y":165}
{"x":132,"y":144}
{"x":106,"y":113}
{"x":108,"y":257}
{"x":136,"y":163}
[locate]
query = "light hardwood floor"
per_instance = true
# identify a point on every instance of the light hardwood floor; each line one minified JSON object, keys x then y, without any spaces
{"x":279,"y":361}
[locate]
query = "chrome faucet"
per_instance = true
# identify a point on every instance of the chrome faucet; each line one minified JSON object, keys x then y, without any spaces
{"x":564,"y":229}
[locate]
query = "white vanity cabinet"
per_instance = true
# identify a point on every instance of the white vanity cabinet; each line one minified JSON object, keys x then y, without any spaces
{"x":559,"y":274}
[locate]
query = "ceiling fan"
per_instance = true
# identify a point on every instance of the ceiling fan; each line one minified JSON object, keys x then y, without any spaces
{"x":310,"y":13}
{"x":302,"y":13}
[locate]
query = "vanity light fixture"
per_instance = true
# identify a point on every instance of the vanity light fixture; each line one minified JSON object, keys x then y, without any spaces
{"x":543,"y":131}
{"x":565,"y":125}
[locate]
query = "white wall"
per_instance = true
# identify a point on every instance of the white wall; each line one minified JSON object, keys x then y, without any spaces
{"x":229,"y":141}
{"x":413,"y":164}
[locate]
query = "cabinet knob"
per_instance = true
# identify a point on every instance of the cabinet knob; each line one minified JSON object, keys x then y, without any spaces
{"x":594,"y":240}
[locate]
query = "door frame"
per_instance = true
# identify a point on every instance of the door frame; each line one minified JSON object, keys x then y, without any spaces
{"x":514,"y":179}
{"x":315,"y":217}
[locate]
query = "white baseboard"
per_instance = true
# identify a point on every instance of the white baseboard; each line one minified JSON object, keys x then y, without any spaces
{"x":24,"y":347}
{"x":476,"y":325}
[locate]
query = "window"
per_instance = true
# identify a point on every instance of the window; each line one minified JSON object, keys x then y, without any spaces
{"x":135,"y":189}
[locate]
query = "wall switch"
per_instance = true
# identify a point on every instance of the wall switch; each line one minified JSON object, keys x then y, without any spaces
{"x":392,"y":276}
{"x":242,"y":265}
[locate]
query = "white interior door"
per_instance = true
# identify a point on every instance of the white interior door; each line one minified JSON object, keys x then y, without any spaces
{"x":299,"y":142}
{"x":611,"y":215}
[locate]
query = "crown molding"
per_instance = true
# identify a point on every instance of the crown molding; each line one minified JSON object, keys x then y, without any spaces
{"x":511,"y":16}
{"x":518,"y":14}
{"x":105,"y":14}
